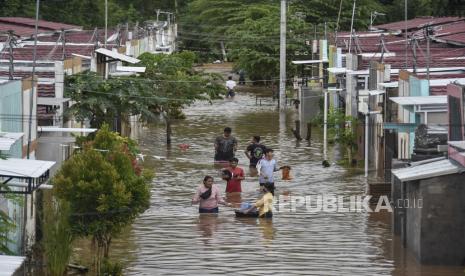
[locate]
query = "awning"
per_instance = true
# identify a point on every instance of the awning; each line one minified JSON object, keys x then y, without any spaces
{"x":393,"y":84}
{"x":131,"y":69}
{"x":425,"y":100}
{"x":428,"y":170}
{"x":15,"y":167}
{"x":7,"y":139}
{"x":313,"y":61}
{"x":458,"y":144}
{"x":81,"y":56}
{"x":338,"y":70}
{"x":51,"y":100}
{"x":401,"y":127}
{"x":32,"y":172}
{"x":118,"y":56}
{"x":10,"y":264}
{"x":376,"y":92}
{"x":64,"y":129}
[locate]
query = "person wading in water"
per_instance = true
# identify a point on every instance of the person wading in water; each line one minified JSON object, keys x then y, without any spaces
{"x":208,"y":196}
{"x":254,"y":152}
{"x":230,"y":85}
{"x":225,"y":146}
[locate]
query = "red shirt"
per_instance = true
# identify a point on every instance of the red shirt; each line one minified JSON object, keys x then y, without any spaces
{"x":234,"y":185}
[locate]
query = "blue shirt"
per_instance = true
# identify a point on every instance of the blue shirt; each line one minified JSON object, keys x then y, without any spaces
{"x":267,"y":168}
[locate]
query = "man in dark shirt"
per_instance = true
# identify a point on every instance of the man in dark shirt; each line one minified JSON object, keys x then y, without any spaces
{"x":225,"y":146}
{"x":255,"y":152}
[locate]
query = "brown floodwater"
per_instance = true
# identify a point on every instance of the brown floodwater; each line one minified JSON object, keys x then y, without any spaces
{"x":171,"y":238}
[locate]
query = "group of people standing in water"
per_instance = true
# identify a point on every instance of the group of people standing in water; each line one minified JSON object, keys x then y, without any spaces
{"x":262,"y":164}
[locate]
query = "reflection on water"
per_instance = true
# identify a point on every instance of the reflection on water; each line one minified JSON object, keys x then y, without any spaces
{"x":171,"y":238}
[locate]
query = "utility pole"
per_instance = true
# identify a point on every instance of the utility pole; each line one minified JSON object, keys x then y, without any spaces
{"x":406,"y":36}
{"x":282,"y":58}
{"x":11,"y":43}
{"x":428,"y":54}
{"x":106,"y":24}
{"x":31,"y":99}
{"x":352,"y":26}
{"x":63,"y":44}
{"x":31,"y":108}
{"x":414,"y":49}
{"x":326,"y":31}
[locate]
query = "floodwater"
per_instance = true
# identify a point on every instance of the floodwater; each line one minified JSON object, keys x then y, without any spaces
{"x":172,"y":239}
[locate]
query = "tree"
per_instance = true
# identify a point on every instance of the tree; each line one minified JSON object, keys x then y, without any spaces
{"x":109,"y":101}
{"x":177,"y":84}
{"x":58,"y":238}
{"x":259,"y":56}
{"x":6,"y":225}
{"x":105,"y":187}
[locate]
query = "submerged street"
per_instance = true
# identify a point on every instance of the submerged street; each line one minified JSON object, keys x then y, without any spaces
{"x":172,"y":239}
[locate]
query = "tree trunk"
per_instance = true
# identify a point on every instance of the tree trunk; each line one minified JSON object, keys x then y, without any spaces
{"x":106,"y":248}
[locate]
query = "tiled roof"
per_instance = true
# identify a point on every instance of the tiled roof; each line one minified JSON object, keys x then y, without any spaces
{"x":48,"y":52}
{"x":456,"y":39}
{"x":438,"y":90}
{"x":81,"y":37}
{"x":46,"y":90}
{"x":417,"y":23}
{"x":19,"y":74}
{"x":22,"y":31}
{"x":30,"y":22}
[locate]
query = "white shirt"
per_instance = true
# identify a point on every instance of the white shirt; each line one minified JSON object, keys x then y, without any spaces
{"x":230,"y":84}
{"x":266,"y":167}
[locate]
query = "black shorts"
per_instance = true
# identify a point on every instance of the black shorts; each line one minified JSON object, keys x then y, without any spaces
{"x":230,"y":93}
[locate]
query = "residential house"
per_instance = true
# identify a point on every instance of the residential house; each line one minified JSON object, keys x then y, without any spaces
{"x":429,"y":196}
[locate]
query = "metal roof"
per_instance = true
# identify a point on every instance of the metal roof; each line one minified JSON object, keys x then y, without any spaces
{"x":64,"y":129}
{"x":417,"y":23}
{"x":313,"y":61}
{"x":9,"y":264}
{"x":131,"y":69}
{"x":7,"y":139}
{"x":425,"y":100}
{"x":392,"y":84}
{"x":457,"y":144}
{"x":15,"y":167}
{"x":338,"y":70}
{"x":428,"y":170}
{"x":376,"y":92}
{"x":117,"y":56}
{"x":51,"y":101}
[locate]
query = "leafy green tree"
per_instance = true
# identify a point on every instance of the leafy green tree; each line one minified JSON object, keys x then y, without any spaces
{"x":260,"y":55}
{"x":178,"y":85}
{"x":109,"y":101}
{"x":321,"y":11}
{"x":105,"y":187}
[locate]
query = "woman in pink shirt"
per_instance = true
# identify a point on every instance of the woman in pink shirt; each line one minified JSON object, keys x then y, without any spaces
{"x":209,"y":196}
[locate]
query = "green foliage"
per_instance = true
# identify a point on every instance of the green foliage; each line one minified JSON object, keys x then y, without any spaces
{"x":101,"y":101}
{"x":111,"y":269}
{"x":6,"y":225}
{"x":105,"y":187}
{"x":341,"y":129}
{"x":321,"y":11}
{"x":57,"y":241}
{"x":177,"y":83}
